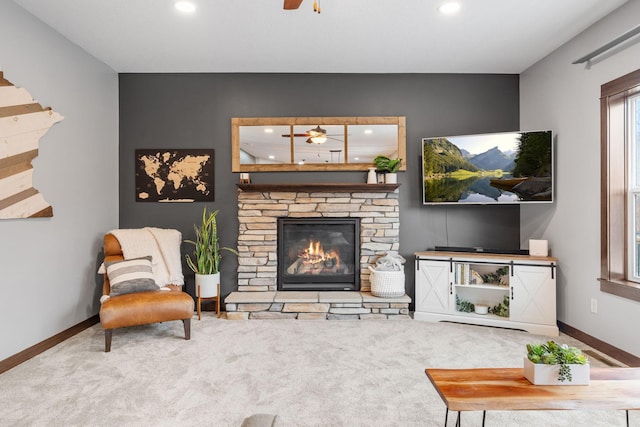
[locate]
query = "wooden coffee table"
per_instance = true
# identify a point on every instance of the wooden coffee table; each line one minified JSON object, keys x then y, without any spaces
{"x":506,"y":389}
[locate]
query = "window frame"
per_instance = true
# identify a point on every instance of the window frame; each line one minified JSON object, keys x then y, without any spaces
{"x":614,"y":213}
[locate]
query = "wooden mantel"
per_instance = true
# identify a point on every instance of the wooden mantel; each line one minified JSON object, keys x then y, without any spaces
{"x":327,"y":187}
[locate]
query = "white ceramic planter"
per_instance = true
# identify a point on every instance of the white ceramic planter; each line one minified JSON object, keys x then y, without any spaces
{"x":481,"y":309}
{"x":207,"y":285}
{"x":540,"y":374}
{"x":391,"y":178}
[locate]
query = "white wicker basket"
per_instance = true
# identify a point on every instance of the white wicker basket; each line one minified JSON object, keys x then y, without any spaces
{"x":387,"y":284}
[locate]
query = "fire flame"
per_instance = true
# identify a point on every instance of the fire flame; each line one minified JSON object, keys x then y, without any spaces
{"x":313,"y":259}
{"x":314,"y":253}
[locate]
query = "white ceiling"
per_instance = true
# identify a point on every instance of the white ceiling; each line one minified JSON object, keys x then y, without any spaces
{"x":350,"y":36}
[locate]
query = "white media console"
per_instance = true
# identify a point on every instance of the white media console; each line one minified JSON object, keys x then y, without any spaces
{"x":515,"y":291}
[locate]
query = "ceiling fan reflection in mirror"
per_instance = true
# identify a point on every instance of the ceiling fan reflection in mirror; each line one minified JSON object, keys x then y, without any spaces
{"x":294,"y":4}
{"x":317,"y":135}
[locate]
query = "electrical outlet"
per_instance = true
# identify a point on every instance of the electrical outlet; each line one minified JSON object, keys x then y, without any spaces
{"x":594,"y":306}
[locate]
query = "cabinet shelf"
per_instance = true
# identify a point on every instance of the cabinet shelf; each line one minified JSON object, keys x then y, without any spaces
{"x":481,"y":316}
{"x":483,"y":286}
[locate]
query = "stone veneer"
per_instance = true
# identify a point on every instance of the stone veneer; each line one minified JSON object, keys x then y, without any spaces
{"x":258,"y":212}
{"x":312,"y":305}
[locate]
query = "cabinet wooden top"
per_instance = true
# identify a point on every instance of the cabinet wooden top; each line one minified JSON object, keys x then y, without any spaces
{"x":483,"y":256}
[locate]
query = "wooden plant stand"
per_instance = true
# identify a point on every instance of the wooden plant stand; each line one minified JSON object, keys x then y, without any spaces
{"x":216,"y":298}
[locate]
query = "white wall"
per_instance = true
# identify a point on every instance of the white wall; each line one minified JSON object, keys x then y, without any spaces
{"x":557,"y":95}
{"x":47,"y":277}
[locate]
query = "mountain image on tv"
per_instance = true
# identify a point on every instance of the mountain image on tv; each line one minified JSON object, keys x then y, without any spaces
{"x":488,"y":168}
{"x":494,"y":159}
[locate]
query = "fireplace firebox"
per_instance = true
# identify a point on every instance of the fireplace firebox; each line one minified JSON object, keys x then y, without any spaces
{"x":319,"y":254}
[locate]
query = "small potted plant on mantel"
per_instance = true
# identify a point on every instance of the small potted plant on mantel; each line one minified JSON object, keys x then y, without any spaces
{"x":388,"y":167}
{"x":207,"y":256}
{"x":555,"y":364}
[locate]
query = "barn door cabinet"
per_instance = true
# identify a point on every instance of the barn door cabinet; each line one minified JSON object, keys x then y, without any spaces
{"x":509,"y":291}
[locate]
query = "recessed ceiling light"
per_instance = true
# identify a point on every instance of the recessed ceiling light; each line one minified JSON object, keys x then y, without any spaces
{"x":356,"y":158}
{"x":185,"y":6}
{"x":268,"y":130}
{"x":449,"y":7}
{"x":271,"y":156}
{"x":368,"y":131}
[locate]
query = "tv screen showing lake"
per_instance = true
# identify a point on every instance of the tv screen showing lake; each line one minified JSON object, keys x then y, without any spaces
{"x":489,"y":168}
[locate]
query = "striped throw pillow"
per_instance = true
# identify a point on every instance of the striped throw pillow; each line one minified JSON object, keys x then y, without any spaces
{"x":131,"y":275}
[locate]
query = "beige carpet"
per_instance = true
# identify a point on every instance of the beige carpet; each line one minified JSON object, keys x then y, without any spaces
{"x":310,"y":373}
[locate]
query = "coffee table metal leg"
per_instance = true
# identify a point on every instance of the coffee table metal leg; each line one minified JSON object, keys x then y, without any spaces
{"x":458,"y":420}
{"x":484,"y":415}
{"x":446,"y":416}
{"x":627,"y":411}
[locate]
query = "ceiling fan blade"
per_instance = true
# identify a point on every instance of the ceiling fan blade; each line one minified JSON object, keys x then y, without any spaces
{"x":292,"y":4}
{"x":296,"y":134}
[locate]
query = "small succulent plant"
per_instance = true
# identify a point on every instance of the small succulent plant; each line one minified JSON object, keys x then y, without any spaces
{"x":552,"y":353}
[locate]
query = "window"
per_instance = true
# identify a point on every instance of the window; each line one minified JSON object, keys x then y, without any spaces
{"x":620,"y":190}
{"x":633,"y":203}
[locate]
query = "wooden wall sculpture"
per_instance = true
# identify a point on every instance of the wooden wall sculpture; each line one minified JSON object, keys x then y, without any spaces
{"x":22,"y":123}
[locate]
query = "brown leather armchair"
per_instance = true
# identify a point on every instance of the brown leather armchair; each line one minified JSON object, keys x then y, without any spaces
{"x":140,"y":308}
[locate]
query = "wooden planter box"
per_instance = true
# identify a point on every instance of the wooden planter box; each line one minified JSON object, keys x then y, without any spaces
{"x":540,"y":374}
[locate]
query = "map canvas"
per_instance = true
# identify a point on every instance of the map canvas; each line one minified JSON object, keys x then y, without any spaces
{"x":174,"y":175}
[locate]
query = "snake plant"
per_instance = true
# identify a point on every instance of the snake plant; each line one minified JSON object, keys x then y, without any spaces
{"x":207,"y":252}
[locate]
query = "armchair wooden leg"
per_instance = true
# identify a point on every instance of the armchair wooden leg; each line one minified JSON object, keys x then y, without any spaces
{"x":108,"y":333}
{"x":187,"y":328}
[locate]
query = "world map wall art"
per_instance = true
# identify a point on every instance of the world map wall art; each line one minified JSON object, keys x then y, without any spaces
{"x":174,"y":175}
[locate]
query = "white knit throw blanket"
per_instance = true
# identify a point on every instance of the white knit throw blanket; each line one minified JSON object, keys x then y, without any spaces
{"x":162,"y":244}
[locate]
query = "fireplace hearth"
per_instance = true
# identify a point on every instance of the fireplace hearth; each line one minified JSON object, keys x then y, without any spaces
{"x":318,"y":254}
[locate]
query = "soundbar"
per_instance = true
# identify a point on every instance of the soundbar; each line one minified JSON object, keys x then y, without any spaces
{"x":477,"y":249}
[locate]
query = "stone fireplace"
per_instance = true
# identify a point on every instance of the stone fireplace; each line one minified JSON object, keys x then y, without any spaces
{"x":262,"y":207}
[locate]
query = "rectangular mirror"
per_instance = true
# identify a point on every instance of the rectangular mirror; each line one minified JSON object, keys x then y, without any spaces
{"x":270,"y":144}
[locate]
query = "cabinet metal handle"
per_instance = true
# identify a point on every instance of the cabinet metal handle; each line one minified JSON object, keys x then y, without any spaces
{"x":512,"y":293}
{"x":450,"y":288}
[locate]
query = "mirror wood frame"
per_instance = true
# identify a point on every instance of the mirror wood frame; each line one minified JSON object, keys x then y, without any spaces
{"x":237,"y":122}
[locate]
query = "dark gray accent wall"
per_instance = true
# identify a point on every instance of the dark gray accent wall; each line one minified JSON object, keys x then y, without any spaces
{"x":195,"y":111}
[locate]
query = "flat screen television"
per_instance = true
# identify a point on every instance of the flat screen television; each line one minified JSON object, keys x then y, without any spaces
{"x":492,"y":168}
